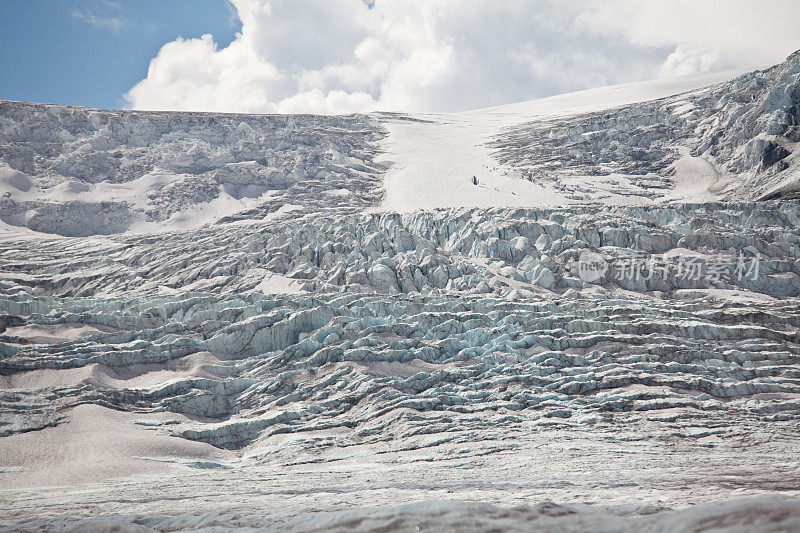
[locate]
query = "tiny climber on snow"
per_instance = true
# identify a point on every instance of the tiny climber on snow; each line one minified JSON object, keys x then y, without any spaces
{"x":474,"y":180}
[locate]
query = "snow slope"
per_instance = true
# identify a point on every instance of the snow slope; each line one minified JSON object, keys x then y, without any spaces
{"x":435,"y":157}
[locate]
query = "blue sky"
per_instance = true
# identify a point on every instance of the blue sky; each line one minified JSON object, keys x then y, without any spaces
{"x":90,"y":52}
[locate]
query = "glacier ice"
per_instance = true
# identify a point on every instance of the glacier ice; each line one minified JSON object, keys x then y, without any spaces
{"x":746,"y":128}
{"x":285,"y":354}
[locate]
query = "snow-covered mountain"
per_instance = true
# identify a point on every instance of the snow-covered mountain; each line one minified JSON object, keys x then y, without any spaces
{"x":77,"y":171}
{"x":310,"y":323}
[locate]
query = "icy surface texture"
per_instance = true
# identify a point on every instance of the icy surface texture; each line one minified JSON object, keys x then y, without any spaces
{"x":502,"y":252}
{"x":300,"y":363}
{"x":754,"y":514}
{"x":452,"y":351}
{"x":748,"y":128}
{"x":289,"y":356}
{"x":158,"y":165}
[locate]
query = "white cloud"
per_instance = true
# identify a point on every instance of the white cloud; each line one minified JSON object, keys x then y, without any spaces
{"x":103,"y":14}
{"x":329,"y":56}
{"x":701,"y":35}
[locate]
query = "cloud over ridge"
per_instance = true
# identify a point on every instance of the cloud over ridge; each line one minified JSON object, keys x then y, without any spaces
{"x":322,"y":56}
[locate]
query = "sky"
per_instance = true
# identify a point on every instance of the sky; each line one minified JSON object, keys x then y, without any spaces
{"x":340,"y":56}
{"x":90,"y":53}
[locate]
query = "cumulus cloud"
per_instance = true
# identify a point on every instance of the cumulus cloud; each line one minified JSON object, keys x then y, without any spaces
{"x":337,"y":56}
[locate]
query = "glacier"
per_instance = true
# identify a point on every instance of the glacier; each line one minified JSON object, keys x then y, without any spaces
{"x":326,"y":323}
